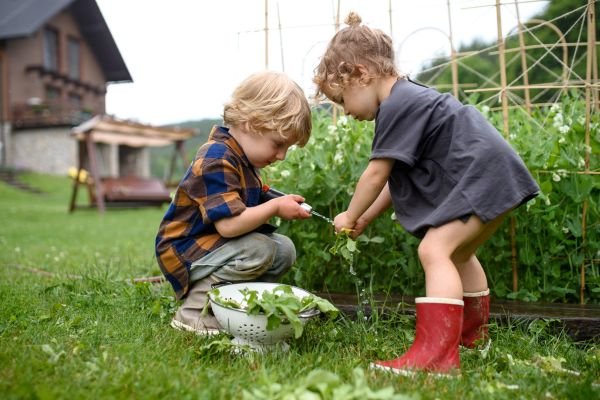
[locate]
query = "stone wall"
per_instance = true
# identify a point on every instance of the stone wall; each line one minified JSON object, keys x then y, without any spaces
{"x":48,"y":150}
{"x":54,"y":151}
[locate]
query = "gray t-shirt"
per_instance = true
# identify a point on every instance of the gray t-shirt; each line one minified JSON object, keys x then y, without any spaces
{"x":450,"y":161}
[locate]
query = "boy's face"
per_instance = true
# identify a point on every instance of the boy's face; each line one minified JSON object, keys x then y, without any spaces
{"x":263,"y":150}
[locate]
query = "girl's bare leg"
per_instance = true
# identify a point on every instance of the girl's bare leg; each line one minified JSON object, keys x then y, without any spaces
{"x":469,"y":268}
{"x":447,"y":254}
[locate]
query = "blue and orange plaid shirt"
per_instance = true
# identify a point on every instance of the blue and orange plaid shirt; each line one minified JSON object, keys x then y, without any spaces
{"x":219,"y":183}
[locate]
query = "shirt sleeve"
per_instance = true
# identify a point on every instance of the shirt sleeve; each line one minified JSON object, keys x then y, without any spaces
{"x":399,"y":127}
{"x":214,"y":184}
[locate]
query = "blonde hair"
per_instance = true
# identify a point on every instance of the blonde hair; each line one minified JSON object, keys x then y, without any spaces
{"x":270,"y":102}
{"x":355,"y":44}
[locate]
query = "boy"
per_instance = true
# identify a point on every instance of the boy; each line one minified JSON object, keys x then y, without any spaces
{"x":215,"y":228}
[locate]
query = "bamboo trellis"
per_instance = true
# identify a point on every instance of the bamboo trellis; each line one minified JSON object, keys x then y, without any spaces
{"x":505,"y":90}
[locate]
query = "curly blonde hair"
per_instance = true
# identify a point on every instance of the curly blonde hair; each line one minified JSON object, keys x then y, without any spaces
{"x":270,"y":102}
{"x":355,"y":44}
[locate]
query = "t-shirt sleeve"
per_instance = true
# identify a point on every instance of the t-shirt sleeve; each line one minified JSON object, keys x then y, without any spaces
{"x":399,"y":127}
{"x":214,"y":184}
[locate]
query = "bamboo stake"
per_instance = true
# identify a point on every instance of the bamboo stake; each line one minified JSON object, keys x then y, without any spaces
{"x":280,"y":39}
{"x":513,"y":253}
{"x":583,"y":237}
{"x":591,"y":56}
{"x":266,"y":34}
{"x":589,"y":105}
{"x":533,"y":46}
{"x":390,"y":14}
{"x":503,"y":96}
{"x":534,"y":86}
{"x":453,"y":62}
{"x":523,"y":60}
{"x":593,"y":50}
{"x":570,"y":172}
{"x":504,"y":100}
{"x":337,"y":17}
{"x":336,"y":26}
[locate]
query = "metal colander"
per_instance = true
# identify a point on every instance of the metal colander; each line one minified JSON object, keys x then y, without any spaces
{"x":252,"y":329}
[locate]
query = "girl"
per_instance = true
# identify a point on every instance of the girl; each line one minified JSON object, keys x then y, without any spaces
{"x":449,"y":175}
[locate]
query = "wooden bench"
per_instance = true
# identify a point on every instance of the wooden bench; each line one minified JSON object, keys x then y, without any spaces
{"x":580,"y":321}
{"x":132,"y":191}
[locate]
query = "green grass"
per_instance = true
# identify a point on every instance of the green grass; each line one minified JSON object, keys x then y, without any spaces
{"x":99,"y":335}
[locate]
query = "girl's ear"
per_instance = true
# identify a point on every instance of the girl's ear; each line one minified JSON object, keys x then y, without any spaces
{"x":363,"y":74}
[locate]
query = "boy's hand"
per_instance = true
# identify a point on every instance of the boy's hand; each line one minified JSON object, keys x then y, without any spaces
{"x":288,"y":207}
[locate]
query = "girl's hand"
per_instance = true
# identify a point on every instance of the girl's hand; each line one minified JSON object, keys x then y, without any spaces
{"x":359,"y":227}
{"x":341,"y":221}
{"x":288,"y":207}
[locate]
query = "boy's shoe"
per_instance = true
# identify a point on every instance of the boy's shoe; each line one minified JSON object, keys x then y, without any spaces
{"x":202,"y":328}
{"x":189,"y":315}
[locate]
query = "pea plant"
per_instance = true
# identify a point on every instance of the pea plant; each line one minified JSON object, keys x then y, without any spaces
{"x":551,"y":242}
{"x":345,"y":246}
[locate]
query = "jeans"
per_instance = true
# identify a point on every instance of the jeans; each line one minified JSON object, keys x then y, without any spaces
{"x":250,"y":257}
{"x":255,"y":256}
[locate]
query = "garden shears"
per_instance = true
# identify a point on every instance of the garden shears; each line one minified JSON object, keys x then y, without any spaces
{"x":270,"y":193}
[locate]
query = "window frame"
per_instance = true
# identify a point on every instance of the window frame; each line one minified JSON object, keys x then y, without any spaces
{"x":72,"y":40}
{"x":51,"y":56}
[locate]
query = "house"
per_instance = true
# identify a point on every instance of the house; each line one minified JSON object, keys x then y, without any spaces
{"x":56,"y":59}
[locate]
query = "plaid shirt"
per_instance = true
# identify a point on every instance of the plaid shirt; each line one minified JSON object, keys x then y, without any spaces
{"x":219,"y":183}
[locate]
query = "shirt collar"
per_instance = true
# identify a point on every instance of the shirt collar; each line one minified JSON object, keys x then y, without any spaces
{"x":221,"y":134}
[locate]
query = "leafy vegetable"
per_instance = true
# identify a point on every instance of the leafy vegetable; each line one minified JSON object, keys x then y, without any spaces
{"x":345,"y":246}
{"x":280,"y":306}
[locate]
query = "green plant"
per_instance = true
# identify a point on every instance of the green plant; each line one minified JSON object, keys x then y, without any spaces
{"x":280,"y":306}
{"x":549,"y":242}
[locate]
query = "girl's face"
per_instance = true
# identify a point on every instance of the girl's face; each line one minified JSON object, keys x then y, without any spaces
{"x":262,"y":150}
{"x":360,"y":100}
{"x":363,"y":95}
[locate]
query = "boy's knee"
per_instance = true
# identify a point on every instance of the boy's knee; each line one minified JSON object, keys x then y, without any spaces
{"x":286,"y":251}
{"x":284,"y":258}
{"x":267,"y":256}
{"x":259,"y":250}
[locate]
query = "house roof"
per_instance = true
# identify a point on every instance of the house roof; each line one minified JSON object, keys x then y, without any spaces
{"x":20,"y":18}
{"x":105,"y":129}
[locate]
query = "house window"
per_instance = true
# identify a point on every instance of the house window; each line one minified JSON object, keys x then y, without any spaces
{"x":51,"y":49}
{"x":74,"y":61}
{"x":52,"y":93}
{"x":75,"y":101}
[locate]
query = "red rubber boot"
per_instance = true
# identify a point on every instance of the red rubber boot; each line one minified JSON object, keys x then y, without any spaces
{"x":435,"y":349}
{"x":476,"y":317}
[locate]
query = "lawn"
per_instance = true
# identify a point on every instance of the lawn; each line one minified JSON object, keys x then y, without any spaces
{"x":86,"y":330}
